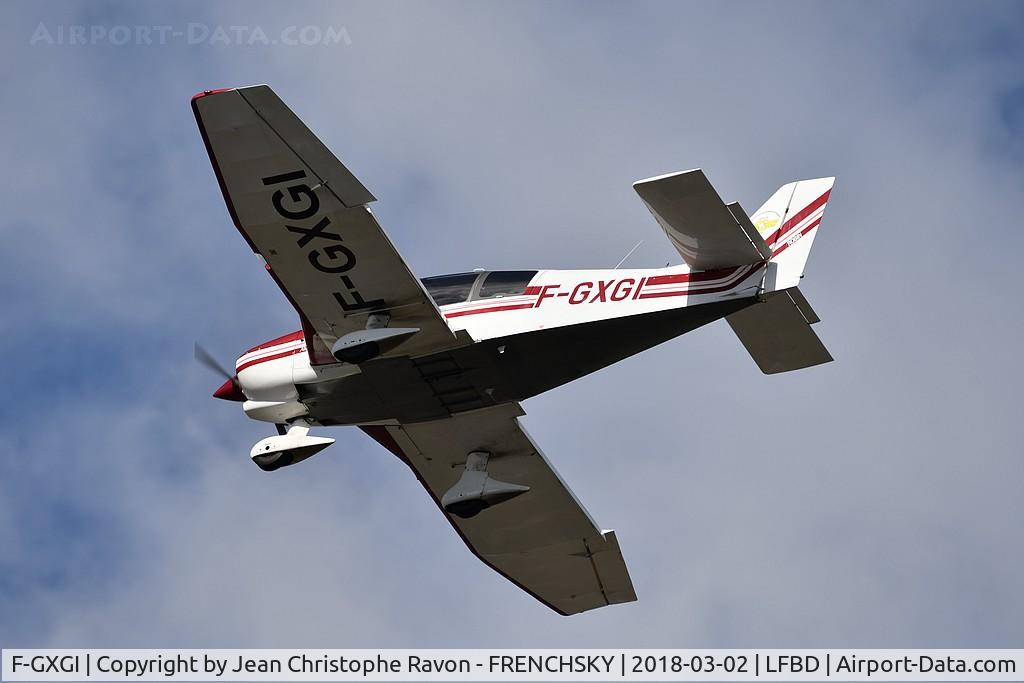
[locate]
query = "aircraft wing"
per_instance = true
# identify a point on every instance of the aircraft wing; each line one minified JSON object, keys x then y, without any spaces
{"x":707,"y":232}
{"x":306,"y":215}
{"x":541,"y":539}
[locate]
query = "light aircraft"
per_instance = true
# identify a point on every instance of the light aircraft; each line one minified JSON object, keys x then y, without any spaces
{"x":435,"y":369}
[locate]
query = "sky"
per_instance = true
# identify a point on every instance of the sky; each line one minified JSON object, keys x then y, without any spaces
{"x":871,"y":502}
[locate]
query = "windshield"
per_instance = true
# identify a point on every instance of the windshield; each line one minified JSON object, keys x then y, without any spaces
{"x":505,"y":283}
{"x":450,"y":289}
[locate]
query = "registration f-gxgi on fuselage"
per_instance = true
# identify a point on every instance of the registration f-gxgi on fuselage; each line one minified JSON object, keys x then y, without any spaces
{"x":435,"y":369}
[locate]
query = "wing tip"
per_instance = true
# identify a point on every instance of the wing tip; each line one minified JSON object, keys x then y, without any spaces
{"x":665,"y":176}
{"x":206,"y":93}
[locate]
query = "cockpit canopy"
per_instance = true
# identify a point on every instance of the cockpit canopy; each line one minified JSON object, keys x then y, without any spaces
{"x":460,"y":287}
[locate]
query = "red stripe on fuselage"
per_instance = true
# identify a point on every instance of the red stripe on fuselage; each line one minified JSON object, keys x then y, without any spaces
{"x":490,"y":309}
{"x":708,"y":290}
{"x":283,"y":339}
{"x":264,"y":359}
{"x":699,"y":276}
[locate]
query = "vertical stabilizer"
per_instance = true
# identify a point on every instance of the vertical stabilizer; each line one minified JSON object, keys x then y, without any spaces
{"x":788,"y":222}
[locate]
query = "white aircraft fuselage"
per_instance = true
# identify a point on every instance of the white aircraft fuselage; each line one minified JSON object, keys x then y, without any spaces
{"x":548,"y":328}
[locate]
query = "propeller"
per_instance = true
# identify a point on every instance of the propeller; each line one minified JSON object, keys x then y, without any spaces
{"x":207,"y":359}
{"x":230,"y":390}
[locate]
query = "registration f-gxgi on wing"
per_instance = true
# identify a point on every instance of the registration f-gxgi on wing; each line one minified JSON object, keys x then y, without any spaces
{"x":435,"y":369}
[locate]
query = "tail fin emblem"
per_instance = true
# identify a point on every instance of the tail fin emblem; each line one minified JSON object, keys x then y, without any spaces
{"x":765,"y":221}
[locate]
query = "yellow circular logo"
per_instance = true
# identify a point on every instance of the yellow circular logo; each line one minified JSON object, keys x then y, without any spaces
{"x":765,"y":221}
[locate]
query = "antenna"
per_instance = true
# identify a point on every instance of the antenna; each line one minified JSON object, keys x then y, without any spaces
{"x":628,"y":254}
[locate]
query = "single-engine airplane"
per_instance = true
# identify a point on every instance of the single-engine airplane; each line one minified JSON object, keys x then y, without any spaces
{"x":435,"y":369}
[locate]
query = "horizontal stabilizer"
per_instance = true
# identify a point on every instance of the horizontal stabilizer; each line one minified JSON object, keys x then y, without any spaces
{"x":777,"y":333}
{"x":699,"y":224}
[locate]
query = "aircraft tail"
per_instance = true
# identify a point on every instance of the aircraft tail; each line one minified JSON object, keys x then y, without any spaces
{"x":776,"y":331}
{"x":710,"y":234}
{"x":788,"y":222}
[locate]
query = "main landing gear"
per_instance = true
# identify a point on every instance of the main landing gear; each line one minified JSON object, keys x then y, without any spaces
{"x":292,"y":444}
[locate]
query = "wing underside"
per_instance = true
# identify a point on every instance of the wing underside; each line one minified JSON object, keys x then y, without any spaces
{"x":542,"y":540}
{"x":299,"y":208}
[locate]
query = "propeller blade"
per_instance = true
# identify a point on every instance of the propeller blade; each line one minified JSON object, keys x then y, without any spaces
{"x":207,"y":359}
{"x":231,"y":390}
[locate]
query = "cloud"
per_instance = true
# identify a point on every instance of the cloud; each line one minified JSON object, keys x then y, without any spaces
{"x":868,"y":502}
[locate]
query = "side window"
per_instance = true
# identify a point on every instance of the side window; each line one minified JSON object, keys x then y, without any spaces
{"x":450,"y":289}
{"x":505,"y":283}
